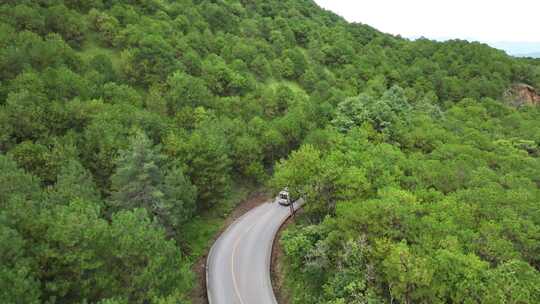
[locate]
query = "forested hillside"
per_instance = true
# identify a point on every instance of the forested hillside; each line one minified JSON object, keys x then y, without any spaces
{"x":127,"y":125}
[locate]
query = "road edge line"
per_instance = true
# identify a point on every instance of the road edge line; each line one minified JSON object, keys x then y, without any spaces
{"x":299,"y":203}
{"x":211,"y":252}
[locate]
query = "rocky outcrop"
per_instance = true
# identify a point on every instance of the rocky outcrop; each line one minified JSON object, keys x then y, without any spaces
{"x":522,"y":95}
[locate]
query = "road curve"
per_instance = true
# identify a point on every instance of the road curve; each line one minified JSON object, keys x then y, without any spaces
{"x":238,"y":265}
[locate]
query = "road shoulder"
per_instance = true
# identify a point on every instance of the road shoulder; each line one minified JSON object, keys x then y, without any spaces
{"x":198,"y":294}
{"x":277,"y":267}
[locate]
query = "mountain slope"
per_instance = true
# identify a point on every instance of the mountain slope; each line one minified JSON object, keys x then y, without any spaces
{"x":124,"y":123}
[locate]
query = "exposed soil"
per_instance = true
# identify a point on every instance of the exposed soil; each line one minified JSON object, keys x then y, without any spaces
{"x":198,"y":295}
{"x":521,"y":94}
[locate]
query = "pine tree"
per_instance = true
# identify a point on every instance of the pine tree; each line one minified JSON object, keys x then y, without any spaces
{"x":180,"y":195}
{"x":142,"y":181}
{"x":138,"y":177}
{"x":74,"y":182}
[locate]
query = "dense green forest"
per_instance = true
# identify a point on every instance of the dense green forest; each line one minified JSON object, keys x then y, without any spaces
{"x":438,"y":208}
{"x":127,"y":126}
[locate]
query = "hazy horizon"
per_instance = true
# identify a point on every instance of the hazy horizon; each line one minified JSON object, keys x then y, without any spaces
{"x":499,"y":23}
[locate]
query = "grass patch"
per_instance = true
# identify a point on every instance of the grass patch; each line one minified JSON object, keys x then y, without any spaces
{"x":295,"y":87}
{"x":91,"y":48}
{"x":200,"y":232}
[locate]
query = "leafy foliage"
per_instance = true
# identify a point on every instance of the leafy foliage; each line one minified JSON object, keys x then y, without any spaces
{"x":437,"y":224}
{"x":124,"y":125}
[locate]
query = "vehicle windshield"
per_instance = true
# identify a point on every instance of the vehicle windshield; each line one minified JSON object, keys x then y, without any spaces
{"x":284,"y":196}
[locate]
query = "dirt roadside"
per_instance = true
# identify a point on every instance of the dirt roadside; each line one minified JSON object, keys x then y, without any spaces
{"x":277,"y":268}
{"x":198,"y":294}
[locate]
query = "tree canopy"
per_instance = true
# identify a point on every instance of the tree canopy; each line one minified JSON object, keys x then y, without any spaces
{"x":125,"y":124}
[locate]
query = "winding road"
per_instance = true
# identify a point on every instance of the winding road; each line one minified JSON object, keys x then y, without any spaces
{"x":238,"y":265}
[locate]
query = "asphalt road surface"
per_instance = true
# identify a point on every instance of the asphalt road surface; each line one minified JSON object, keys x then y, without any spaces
{"x":238,"y":265}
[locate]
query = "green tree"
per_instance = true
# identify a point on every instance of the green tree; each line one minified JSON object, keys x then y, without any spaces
{"x":16,"y":182}
{"x":186,"y":91}
{"x":138,"y":177}
{"x":247,"y":155}
{"x":108,"y":26}
{"x":73,"y":183}
{"x":179,"y":204}
{"x":107,"y":260}
{"x":142,"y":180}
{"x":25,"y":113}
{"x":115,"y":93}
{"x":17,"y":281}
{"x":24,"y":17}
{"x":34,"y":158}
{"x":152,"y":60}
{"x":68,"y":23}
{"x":390,"y":109}
{"x":302,"y":173}
{"x":261,"y":67}
{"x":103,"y":64}
{"x":298,"y":61}
{"x":407,"y":274}
{"x":205,"y":154}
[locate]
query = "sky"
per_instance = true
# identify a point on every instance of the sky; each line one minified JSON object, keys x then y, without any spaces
{"x":513,"y":25}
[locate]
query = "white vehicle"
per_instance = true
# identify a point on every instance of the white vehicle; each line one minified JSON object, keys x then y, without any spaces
{"x":284,"y":198}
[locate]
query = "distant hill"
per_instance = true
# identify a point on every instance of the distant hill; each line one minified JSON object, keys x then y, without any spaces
{"x":531,"y":55}
{"x":518,"y":49}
